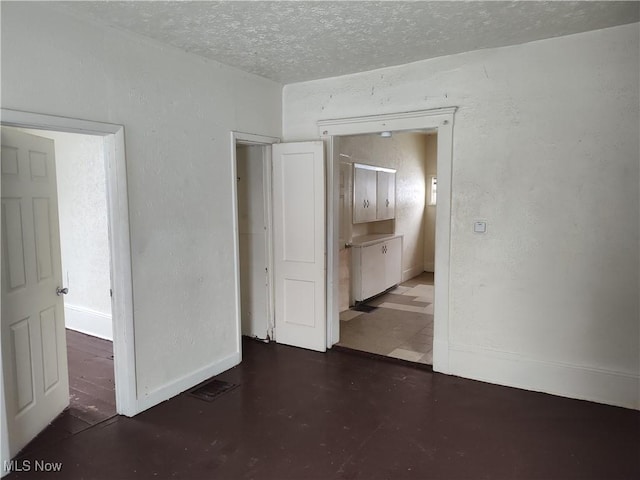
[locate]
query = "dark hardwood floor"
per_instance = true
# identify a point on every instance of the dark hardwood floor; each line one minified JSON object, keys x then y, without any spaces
{"x":298,"y":414}
{"x":92,"y":397}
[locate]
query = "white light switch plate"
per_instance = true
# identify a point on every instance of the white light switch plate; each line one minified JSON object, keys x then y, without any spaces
{"x":480,"y":227}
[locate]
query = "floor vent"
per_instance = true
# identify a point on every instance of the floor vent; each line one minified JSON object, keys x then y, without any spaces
{"x":363,"y":307}
{"x":211,"y":390}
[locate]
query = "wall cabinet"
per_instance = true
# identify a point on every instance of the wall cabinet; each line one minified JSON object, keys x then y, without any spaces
{"x":386,"y":195}
{"x":374,"y":193}
{"x":376,"y":265}
{"x":364,"y":194}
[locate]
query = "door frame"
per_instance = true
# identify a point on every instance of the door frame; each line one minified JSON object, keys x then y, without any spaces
{"x":241,"y":138}
{"x":441,"y":120}
{"x":119,"y":240}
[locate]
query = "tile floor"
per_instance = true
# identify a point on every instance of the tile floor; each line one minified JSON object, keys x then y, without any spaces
{"x":401,"y":326}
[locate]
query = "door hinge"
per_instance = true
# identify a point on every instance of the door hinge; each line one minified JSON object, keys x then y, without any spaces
{"x":111,"y":293}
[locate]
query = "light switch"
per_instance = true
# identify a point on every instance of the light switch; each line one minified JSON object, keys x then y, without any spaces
{"x":480,"y":227}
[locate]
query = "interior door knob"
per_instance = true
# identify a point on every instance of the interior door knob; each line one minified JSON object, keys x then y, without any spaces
{"x":62,"y":291}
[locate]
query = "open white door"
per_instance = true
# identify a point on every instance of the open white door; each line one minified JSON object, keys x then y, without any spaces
{"x":34,"y":353}
{"x":299,"y":244}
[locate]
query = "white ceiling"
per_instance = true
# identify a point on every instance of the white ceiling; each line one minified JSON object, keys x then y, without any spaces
{"x":300,"y":40}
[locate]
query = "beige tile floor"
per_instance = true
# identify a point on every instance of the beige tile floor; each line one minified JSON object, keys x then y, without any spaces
{"x":401,"y":326}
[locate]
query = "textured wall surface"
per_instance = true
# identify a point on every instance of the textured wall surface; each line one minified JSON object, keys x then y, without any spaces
{"x":178,"y":111}
{"x":545,"y":149}
{"x":405,"y":153}
{"x":82,"y":207}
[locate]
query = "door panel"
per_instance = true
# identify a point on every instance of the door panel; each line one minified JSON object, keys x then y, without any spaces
{"x":386,"y":194}
{"x":33,"y":335}
{"x":299,"y":244}
{"x":373,"y":270}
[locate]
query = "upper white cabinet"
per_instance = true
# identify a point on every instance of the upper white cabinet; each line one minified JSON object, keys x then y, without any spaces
{"x":386,"y":195}
{"x":374,"y":193}
{"x":364,"y":193}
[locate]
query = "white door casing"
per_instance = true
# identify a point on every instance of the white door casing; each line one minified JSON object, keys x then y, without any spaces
{"x":299,"y":244}
{"x":437,"y":119}
{"x":33,"y":332}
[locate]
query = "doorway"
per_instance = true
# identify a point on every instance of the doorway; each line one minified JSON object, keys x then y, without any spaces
{"x":251,"y":167}
{"x":440,"y":120}
{"x":254,"y":233}
{"x":84,"y":241}
{"x":395,"y":243}
{"x":119,"y":266}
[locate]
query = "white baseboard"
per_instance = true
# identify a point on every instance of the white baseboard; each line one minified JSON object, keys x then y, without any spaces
{"x":585,"y":383}
{"x":411,"y":272}
{"x":429,"y":267}
{"x":186,"y":382}
{"x":88,"y":321}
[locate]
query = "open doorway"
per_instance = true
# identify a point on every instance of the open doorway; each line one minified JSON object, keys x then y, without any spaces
{"x":84,"y":242}
{"x":253,"y":244}
{"x":386,"y":251}
{"x":34,"y":362}
{"x":251,"y":167}
{"x":79,"y":243}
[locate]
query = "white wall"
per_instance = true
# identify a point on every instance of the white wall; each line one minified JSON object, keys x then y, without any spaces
{"x":406,"y":153}
{"x":546,"y":151}
{"x":84,"y":231}
{"x":178,"y":111}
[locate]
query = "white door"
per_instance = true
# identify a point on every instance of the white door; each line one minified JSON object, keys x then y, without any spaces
{"x":299,"y":244}
{"x":34,"y":354}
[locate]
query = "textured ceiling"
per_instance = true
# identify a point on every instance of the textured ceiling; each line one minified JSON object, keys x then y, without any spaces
{"x":296,"y":41}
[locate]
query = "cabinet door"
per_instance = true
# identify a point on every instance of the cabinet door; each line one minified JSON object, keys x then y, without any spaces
{"x":373,"y":270}
{"x":386,"y":195}
{"x":393,"y":262}
{"x":364,"y":195}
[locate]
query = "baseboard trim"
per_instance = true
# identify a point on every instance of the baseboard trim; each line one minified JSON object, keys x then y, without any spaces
{"x":170,"y":390}
{"x":620,"y":389}
{"x":411,"y":272}
{"x":90,"y":322}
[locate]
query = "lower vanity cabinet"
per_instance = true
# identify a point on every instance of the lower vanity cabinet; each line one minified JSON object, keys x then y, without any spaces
{"x":376,"y":265}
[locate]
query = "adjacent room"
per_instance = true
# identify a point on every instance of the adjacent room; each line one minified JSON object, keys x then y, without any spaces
{"x":387,"y":204}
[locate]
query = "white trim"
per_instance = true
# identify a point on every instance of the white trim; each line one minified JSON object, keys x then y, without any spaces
{"x":332,"y":222}
{"x":409,"y":273}
{"x":240,"y":138}
{"x":566,"y":380}
{"x":176,"y":387}
{"x":267,"y":191}
{"x":87,"y":321}
{"x":440,"y":119}
{"x":119,"y":240}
